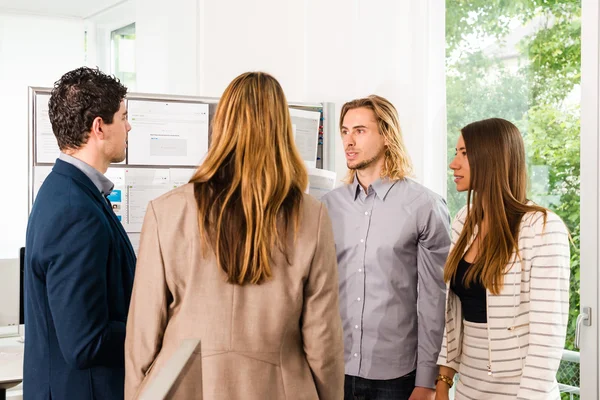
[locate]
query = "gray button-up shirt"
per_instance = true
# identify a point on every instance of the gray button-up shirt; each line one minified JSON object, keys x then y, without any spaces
{"x":392,"y":243}
{"x":104,"y":185}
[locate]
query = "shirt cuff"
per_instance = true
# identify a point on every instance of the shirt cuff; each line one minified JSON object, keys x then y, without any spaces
{"x":426,"y":376}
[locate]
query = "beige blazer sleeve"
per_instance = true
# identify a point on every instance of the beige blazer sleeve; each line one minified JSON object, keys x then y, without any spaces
{"x":321,"y":321}
{"x":147,"y":317}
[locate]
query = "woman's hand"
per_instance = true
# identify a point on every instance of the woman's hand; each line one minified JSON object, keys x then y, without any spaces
{"x":442,"y":391}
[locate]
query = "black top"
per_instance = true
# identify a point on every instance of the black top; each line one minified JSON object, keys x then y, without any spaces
{"x":473,"y":299}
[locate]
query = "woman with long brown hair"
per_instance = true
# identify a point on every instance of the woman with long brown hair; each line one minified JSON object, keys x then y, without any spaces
{"x":508,"y":276}
{"x":243,"y":260}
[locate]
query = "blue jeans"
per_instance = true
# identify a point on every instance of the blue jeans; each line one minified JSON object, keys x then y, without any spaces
{"x":356,"y":388}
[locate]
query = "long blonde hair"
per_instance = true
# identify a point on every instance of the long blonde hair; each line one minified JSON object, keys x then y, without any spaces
{"x":397,"y":164}
{"x":496,"y":156}
{"x":251,"y":180}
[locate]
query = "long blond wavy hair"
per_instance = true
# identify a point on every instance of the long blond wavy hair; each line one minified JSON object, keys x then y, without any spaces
{"x":397,"y":164}
{"x":249,"y":189}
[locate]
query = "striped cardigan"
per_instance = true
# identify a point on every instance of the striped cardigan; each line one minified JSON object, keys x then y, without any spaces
{"x":527,"y":321}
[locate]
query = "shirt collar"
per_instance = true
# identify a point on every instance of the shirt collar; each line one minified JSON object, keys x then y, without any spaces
{"x":381,"y":187}
{"x":355,"y":188}
{"x":104,"y":185}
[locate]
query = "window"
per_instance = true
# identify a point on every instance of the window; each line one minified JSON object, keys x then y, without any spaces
{"x":122,"y":55}
{"x":521,"y":60}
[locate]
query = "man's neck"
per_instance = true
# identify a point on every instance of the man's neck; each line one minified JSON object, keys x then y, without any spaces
{"x":367,"y":176}
{"x":93,"y":160}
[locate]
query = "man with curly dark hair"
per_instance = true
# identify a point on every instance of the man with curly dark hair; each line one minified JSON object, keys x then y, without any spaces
{"x":79,"y":262}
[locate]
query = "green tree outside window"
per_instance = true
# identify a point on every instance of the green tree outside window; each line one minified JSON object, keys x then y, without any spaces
{"x":521,"y":60}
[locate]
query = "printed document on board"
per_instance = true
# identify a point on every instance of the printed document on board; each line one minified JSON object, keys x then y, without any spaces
{"x":143,"y":185}
{"x":320,"y":182}
{"x":306,"y":134}
{"x":167,"y":133}
{"x":46,"y":146}
{"x":180,"y":176}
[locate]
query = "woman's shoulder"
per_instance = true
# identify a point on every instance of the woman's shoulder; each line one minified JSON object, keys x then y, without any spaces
{"x":311,"y":209}
{"x":459,"y":219}
{"x":462,"y":214}
{"x":536,"y":218}
{"x":541,"y":222}
{"x":310,"y":203}
{"x":313,"y":214}
{"x":174,"y":199}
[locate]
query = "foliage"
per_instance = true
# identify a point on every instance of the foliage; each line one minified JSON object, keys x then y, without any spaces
{"x":533,"y":87}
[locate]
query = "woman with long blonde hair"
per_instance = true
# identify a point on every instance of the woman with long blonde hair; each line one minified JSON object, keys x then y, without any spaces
{"x":507,"y":276}
{"x":243,"y":260}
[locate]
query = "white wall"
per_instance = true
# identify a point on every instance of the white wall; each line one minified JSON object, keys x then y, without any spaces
{"x":98,"y":30}
{"x":320,"y":51}
{"x":268,"y":35}
{"x":166,"y":43}
{"x":167,"y":46}
{"x":336,"y":51}
{"x":34,"y":51}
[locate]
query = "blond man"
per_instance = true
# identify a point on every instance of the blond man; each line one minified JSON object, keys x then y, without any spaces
{"x":392,"y":239}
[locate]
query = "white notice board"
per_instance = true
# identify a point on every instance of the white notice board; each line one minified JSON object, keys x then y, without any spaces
{"x":169,"y":138}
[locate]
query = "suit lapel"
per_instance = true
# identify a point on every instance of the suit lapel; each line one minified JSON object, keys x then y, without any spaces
{"x":76,"y":174}
{"x":118,"y":225}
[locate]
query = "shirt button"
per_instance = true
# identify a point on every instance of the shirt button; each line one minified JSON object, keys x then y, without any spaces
{"x":358,"y":299}
{"x":359,"y":270}
{"x":355,"y":326}
{"x":366,"y":213}
{"x":362,"y":240}
{"x":355,"y":355}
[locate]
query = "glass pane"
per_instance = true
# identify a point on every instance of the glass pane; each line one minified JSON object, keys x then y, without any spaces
{"x":123,"y":55}
{"x":521,"y":60}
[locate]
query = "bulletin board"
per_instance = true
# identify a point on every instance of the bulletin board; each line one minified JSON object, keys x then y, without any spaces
{"x":169,"y":138}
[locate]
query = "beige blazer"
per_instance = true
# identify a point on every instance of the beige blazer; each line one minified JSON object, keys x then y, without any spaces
{"x":527,"y":320}
{"x":278,"y":340}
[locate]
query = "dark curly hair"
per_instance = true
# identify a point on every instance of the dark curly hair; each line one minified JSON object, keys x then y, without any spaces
{"x":77,"y":99}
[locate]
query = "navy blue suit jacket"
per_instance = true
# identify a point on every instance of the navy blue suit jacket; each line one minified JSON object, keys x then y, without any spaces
{"x":79,"y":268}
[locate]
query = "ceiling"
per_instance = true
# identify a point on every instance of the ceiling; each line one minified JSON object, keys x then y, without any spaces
{"x":58,"y":8}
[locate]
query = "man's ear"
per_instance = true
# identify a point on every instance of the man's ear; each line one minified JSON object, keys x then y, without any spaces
{"x":97,"y":128}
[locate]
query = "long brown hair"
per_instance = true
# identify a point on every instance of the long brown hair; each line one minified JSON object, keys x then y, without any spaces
{"x":249,"y":188}
{"x":397,"y":164}
{"x":496,"y":156}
